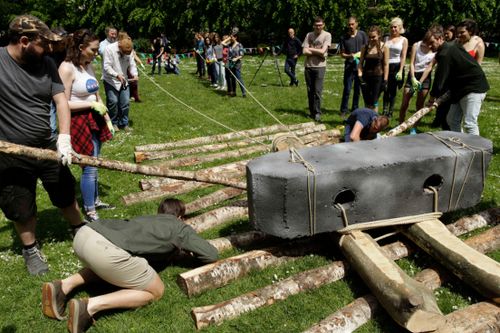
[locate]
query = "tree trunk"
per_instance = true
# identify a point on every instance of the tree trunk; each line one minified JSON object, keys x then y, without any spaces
{"x":224,"y":137}
{"x":477,"y":270}
{"x":311,"y":279}
{"x":47,"y":154}
{"x":212,"y":199}
{"x":322,"y":138}
{"x":211,"y":147}
{"x":407,"y":301}
{"x":238,"y":240}
{"x":172,"y":189}
{"x":480,"y":317}
{"x":229,"y":170}
{"x":488,"y":217}
{"x":220,"y":273}
{"x":217,"y":217}
{"x":359,"y":312}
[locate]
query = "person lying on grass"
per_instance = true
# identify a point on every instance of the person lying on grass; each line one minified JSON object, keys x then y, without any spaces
{"x":120,"y":252}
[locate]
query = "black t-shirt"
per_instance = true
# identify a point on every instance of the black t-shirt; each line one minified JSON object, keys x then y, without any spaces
{"x":353,"y":44}
{"x":25,"y":95}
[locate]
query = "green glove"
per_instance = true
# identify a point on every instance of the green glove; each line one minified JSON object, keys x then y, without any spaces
{"x":416,"y":85}
{"x":110,"y":127}
{"x":399,"y":76}
{"x":99,"y":107}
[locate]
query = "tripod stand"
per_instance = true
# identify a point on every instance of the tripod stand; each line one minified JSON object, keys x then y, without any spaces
{"x":268,"y":50}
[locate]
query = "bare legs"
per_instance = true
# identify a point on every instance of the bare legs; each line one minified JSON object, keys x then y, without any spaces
{"x":406,"y":102}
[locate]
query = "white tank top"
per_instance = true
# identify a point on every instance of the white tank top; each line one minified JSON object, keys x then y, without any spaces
{"x":422,"y":59}
{"x":395,"y":48}
{"x":85,"y":86}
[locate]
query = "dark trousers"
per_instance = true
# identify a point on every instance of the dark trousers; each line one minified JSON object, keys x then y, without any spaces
{"x":233,"y":79}
{"x":371,"y":90}
{"x":392,"y":88}
{"x":200,"y":65}
{"x":350,"y":79}
{"x":155,"y":61}
{"x":314,"y":80}
{"x":290,"y":64}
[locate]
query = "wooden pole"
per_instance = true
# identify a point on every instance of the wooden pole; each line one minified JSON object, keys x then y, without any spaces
{"x":311,"y":279}
{"x":212,"y":199}
{"x":217,"y":217}
{"x":238,"y":240}
{"x":47,"y":154}
{"x":224,"y":137}
{"x":361,"y":310}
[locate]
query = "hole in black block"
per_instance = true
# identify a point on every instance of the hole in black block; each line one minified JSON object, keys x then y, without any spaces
{"x":435,"y":181}
{"x":344,"y":197}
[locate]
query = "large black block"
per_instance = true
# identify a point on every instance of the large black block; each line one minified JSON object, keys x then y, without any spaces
{"x":372,"y":180}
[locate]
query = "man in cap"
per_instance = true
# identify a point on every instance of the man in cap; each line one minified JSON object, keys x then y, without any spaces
{"x":30,"y":81}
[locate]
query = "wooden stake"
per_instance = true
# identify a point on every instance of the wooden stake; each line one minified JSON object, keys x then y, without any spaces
{"x":224,"y":137}
{"x":47,"y":154}
{"x":217,"y":217}
{"x":477,"y":270}
{"x":212,"y":199}
{"x":407,"y":301}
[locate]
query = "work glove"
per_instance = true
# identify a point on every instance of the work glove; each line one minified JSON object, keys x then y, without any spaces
{"x":64,"y":149}
{"x":110,"y":127}
{"x":399,"y":76}
{"x":99,"y":107}
{"x":416,"y":85}
{"x":356,"y":57}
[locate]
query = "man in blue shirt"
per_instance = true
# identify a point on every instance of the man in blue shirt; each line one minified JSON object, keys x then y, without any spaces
{"x":364,"y":124}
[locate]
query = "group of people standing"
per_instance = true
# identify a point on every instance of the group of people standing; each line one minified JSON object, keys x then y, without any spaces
{"x":161,"y":52}
{"x":221,"y":60}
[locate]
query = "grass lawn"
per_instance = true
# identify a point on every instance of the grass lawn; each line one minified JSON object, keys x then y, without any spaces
{"x":161,"y":119}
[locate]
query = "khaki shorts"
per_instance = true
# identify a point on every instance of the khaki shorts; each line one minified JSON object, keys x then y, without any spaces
{"x":111,"y":263}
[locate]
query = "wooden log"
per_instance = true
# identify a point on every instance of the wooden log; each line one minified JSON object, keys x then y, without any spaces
{"x":229,"y":169}
{"x":361,"y":310}
{"x":211,"y":147}
{"x":480,"y":317}
{"x":488,"y":217}
{"x":322,"y":138}
{"x":407,"y":301}
{"x":475,"y":269}
{"x":99,"y":162}
{"x":193,"y":160}
{"x":311,"y":279}
{"x":217,"y":217}
{"x":238,"y":240}
{"x":224,"y":137}
{"x":212,"y":199}
{"x":172,"y":189}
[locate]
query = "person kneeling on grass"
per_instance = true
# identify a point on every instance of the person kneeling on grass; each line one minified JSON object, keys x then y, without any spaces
{"x":120,"y":252}
{"x":364,"y":124}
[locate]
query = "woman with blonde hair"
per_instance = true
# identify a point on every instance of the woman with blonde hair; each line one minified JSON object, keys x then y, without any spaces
{"x":398,"y":47}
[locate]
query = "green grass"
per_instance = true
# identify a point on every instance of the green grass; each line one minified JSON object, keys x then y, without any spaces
{"x":160,"y":119}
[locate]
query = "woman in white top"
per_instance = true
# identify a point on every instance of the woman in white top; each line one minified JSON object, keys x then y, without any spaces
{"x":90,"y":123}
{"x":398,"y":46}
{"x":419,"y":78}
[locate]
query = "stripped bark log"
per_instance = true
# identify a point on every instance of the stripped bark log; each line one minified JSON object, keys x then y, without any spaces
{"x":488,"y":217}
{"x":212,"y":199}
{"x":238,"y":240}
{"x":407,"y":301}
{"x":361,"y":310}
{"x":475,"y":269}
{"x":47,"y":154}
{"x":480,"y":317}
{"x":229,"y":170}
{"x":224,"y":137}
{"x":217,"y":217}
{"x":311,"y":279}
{"x":220,"y":273}
{"x":172,"y":189}
{"x":211,"y":147}
{"x":322,"y":138}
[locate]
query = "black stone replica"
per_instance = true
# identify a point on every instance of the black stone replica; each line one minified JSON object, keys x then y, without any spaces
{"x":293,"y":196}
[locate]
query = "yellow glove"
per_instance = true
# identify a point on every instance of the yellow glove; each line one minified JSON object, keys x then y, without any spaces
{"x":99,"y":107}
{"x":399,"y":76}
{"x":416,"y":85}
{"x":110,"y":127}
{"x":356,"y":55}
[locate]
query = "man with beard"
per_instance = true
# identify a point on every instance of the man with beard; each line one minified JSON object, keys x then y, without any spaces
{"x":350,"y":49}
{"x":111,"y":35}
{"x":29,"y":83}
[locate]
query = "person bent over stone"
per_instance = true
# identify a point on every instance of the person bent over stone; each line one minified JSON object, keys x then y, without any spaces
{"x":121,"y":252}
{"x":364,"y":124}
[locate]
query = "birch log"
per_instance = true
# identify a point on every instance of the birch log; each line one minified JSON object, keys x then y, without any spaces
{"x":224,"y":137}
{"x":238,"y":240}
{"x":212,"y":199}
{"x":475,"y":269}
{"x":217,"y":217}
{"x":407,"y":301}
{"x":47,"y":154}
{"x":482,"y":317}
{"x":361,"y":310}
{"x":307,"y":280}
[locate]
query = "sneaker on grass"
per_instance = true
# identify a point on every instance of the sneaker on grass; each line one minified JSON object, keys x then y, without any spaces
{"x":35,"y":261}
{"x":53,"y":300}
{"x":102,"y":205}
{"x":79,"y":319}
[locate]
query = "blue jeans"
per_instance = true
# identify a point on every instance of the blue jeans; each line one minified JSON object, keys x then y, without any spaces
{"x":156,"y":61}
{"x":53,"y":118}
{"x":467,"y":108}
{"x":314,"y":81}
{"x":221,"y":74}
{"x":350,"y":77}
{"x":118,"y":103}
{"x":88,"y":181}
{"x":290,"y":64}
{"x":231,"y":80}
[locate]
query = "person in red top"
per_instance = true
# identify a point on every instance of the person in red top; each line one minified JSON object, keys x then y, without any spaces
{"x":90,"y":123}
{"x":467,"y":36}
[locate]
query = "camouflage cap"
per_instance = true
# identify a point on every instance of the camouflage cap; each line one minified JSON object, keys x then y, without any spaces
{"x":29,"y":24}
